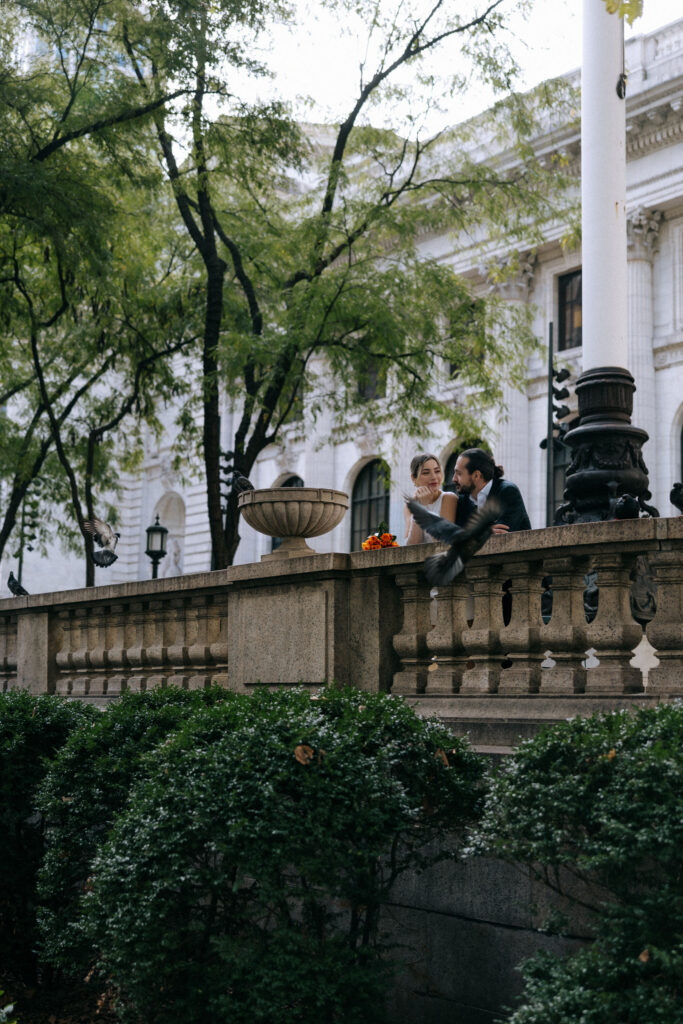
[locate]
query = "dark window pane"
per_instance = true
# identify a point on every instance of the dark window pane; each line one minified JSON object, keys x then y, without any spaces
{"x":569,"y":310}
{"x":369,"y":502}
{"x":372,"y":382}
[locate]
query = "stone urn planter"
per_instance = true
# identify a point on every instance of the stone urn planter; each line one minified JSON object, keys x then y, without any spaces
{"x":293,"y":513}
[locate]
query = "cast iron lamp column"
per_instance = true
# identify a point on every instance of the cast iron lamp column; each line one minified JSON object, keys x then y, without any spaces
{"x":156,"y":545}
{"x":607,"y":458}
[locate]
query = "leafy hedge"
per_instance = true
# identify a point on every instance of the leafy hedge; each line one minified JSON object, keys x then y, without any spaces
{"x":244,"y":878}
{"x":32,"y":730}
{"x":87,"y":785}
{"x":603,"y":796}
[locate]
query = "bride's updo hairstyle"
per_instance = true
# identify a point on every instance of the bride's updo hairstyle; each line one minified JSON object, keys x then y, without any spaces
{"x":419,"y":460}
{"x":477,"y":458}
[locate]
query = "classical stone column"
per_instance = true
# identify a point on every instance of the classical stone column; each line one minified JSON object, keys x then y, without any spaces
{"x":607,"y":459}
{"x":643,"y":236}
{"x":603,"y":189}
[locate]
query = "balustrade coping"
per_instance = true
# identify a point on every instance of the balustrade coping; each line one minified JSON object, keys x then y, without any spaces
{"x":584,"y":539}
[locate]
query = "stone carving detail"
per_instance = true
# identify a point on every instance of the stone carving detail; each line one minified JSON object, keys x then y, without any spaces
{"x":643,"y":233}
{"x":591,"y":595}
{"x":511,"y":277}
{"x":643,"y":593}
{"x":169,"y":476}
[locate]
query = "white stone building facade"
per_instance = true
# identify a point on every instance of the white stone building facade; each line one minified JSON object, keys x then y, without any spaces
{"x":548,"y":280}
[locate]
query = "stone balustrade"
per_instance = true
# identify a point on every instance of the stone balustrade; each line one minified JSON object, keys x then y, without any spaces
{"x":541,"y":625}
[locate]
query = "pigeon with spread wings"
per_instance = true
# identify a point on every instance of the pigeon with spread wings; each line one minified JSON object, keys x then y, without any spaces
{"x":464,"y":541}
{"x":106,"y":538}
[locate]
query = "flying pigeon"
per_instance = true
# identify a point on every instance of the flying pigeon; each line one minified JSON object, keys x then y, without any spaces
{"x":240,"y":483}
{"x":106,"y":538}
{"x":15,"y":586}
{"x":464,"y":541}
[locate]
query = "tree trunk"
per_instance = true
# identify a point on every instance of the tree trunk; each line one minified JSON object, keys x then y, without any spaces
{"x":215,"y":271}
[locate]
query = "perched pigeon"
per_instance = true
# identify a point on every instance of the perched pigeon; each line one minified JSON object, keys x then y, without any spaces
{"x":106,"y":538}
{"x":464,"y":541}
{"x":15,"y":586}
{"x":676,"y":497}
{"x":240,"y":483}
{"x":626,"y":507}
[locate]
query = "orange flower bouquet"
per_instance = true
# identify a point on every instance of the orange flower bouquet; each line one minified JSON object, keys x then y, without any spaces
{"x":381,"y":539}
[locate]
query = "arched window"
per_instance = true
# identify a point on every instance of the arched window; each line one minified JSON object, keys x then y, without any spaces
{"x":369,"y":502}
{"x":291,"y":481}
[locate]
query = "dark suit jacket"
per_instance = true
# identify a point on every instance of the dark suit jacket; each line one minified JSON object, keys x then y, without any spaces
{"x":514,"y":512}
{"x":464,"y":509}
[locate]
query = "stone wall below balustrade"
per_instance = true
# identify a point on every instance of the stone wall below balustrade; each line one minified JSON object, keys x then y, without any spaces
{"x":494,"y":654}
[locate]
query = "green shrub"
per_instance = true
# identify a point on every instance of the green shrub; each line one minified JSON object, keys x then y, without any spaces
{"x":246,"y":875}
{"x":32,"y":730}
{"x":603,"y":797}
{"x":85,"y":788}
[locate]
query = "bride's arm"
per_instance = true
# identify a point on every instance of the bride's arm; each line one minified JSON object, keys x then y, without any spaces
{"x":414,"y":534}
{"x":449,"y":506}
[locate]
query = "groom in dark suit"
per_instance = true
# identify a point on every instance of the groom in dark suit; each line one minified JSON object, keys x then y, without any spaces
{"x":476,"y":474}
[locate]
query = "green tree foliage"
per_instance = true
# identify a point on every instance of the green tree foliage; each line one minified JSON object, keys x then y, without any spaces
{"x":307,"y":242}
{"x":310,"y":240}
{"x":32,"y":731}
{"x":96,"y":294}
{"x":85,"y":788}
{"x":603,"y":797}
{"x":245,"y":876}
{"x":629,"y":9}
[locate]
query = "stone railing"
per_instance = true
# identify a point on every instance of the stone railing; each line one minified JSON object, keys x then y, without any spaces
{"x":542,"y":624}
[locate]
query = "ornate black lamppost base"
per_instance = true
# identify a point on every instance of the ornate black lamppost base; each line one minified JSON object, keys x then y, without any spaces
{"x":607,"y":459}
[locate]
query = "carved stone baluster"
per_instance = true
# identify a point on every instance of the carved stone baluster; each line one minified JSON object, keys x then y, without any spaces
{"x":4,"y":625}
{"x":136,"y":647}
{"x":444,"y":641}
{"x":198,"y":651}
{"x":8,"y":651}
{"x":198,"y":645}
{"x":80,"y":654}
{"x":482,"y":641}
{"x":411,"y":643}
{"x":217,"y":633}
{"x":613,"y":632}
{"x":665,"y":631}
{"x":565,"y":635}
{"x":176,"y":651}
{"x":98,"y":650}
{"x":116,"y":641}
{"x":65,"y":667}
{"x":12,"y":659}
{"x":520,"y":640}
{"x":161,"y":617}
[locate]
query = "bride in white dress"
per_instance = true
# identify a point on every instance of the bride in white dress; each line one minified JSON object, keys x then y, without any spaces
{"x":427,"y":476}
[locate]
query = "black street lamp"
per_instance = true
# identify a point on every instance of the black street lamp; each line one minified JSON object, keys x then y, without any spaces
{"x":156,"y":545}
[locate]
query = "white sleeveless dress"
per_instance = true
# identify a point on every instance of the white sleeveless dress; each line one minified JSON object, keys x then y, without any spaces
{"x":434,"y":507}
